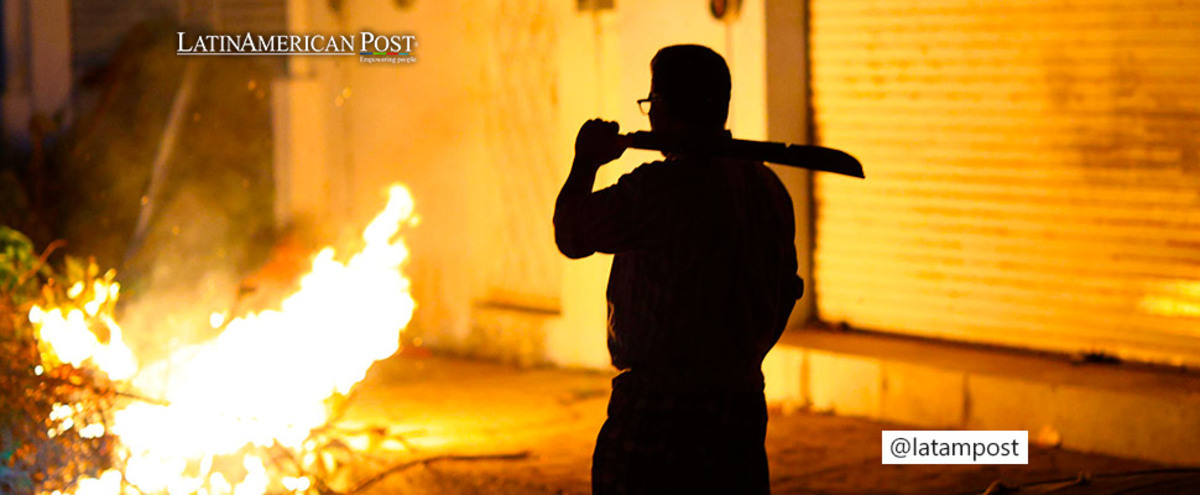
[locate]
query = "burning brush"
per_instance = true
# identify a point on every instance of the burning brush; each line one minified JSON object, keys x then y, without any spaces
{"x":251,"y":411}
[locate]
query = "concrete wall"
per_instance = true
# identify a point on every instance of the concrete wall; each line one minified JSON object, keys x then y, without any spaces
{"x":481,"y":128}
{"x":37,"y":58}
{"x":99,"y":26}
{"x":1124,"y":411}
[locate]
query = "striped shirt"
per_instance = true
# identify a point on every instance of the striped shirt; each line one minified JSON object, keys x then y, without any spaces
{"x":704,"y":273}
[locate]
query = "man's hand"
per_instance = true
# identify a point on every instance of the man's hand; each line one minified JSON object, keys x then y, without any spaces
{"x":597,"y":143}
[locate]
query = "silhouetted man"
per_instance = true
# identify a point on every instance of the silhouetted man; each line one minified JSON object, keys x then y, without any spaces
{"x":703,"y":280}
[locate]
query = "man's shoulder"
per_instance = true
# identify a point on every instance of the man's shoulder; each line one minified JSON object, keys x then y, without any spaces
{"x":767,"y":175}
{"x":764,"y":171}
{"x":650,"y":173}
{"x":654,"y":167}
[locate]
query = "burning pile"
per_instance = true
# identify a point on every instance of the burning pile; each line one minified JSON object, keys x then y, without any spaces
{"x":244,"y":413}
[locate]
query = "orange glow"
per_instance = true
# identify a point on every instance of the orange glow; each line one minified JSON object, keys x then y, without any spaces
{"x":1175,"y":298}
{"x":265,"y":380}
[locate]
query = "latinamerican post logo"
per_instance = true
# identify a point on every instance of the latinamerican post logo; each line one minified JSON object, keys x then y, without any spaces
{"x":369,"y":47}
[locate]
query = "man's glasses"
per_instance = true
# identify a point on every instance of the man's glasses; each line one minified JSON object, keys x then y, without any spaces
{"x":644,"y":104}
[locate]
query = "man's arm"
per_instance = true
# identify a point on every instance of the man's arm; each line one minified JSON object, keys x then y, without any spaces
{"x":567,"y":209}
{"x":791,"y":286}
{"x":595,"y":145}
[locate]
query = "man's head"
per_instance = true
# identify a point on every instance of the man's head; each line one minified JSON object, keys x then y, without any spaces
{"x":689,"y":89}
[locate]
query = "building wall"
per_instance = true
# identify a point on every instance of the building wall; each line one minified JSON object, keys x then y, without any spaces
{"x":482,"y":129}
{"x":37,"y":65}
{"x":98,"y":26}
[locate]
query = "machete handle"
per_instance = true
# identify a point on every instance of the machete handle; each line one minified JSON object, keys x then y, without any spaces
{"x":795,"y":155}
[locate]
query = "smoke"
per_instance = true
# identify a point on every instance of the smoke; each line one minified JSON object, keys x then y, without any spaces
{"x":206,"y":223}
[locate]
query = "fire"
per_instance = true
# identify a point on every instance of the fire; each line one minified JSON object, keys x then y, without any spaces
{"x":264,"y":382}
{"x":72,"y":342}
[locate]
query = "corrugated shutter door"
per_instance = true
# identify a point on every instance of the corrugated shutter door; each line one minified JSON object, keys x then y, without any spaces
{"x":1033,"y":172}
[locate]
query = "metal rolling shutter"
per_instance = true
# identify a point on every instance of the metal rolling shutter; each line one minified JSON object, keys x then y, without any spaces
{"x":1033,"y":172}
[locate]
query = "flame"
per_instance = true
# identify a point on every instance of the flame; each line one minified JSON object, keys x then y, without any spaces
{"x":72,"y":341}
{"x":265,"y":380}
{"x":215,"y":320}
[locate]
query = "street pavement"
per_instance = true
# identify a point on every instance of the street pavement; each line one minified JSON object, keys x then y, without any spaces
{"x":446,"y":418}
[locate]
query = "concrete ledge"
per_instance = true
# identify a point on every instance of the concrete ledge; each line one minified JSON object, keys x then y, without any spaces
{"x":508,"y":333}
{"x":1121,"y":410}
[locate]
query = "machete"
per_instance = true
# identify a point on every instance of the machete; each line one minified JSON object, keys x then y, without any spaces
{"x":795,"y":155}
